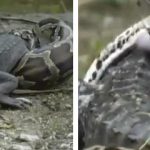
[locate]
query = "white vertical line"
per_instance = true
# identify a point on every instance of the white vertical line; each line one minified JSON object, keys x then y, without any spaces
{"x":75,"y":74}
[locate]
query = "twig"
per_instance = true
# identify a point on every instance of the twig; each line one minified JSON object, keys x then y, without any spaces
{"x":63,"y":5}
{"x":18,"y":91}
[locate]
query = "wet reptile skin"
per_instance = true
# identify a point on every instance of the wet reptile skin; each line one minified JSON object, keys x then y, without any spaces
{"x":134,"y":36}
{"x":26,"y":63}
{"x":117,"y":112}
{"x":12,"y":48}
{"x":46,"y":62}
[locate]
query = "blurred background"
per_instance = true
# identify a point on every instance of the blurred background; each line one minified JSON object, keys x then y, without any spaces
{"x":30,"y":6}
{"x":100,"y":21}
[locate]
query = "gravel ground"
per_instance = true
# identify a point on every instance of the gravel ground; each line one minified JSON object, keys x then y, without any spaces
{"x":45,"y":125}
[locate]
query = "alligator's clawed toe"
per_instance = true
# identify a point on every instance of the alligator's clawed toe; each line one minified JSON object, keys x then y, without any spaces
{"x":22,"y":103}
{"x":25,"y":100}
{"x":17,"y":103}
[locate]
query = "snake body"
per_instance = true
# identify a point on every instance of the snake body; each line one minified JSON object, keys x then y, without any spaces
{"x":114,"y":106}
{"x":122,"y":44}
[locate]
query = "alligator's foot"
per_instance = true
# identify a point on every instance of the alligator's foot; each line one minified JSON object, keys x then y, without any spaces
{"x":18,"y":103}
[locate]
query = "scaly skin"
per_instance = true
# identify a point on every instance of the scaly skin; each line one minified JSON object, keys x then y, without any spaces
{"x":124,"y":42}
{"x":34,"y":60}
{"x":116,"y":112}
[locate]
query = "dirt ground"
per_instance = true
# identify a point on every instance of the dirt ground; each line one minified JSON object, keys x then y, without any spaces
{"x":47,"y":125}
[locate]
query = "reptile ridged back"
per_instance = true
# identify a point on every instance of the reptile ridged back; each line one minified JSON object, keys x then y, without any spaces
{"x":119,"y":113}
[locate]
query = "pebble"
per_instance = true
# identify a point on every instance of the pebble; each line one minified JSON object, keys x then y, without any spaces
{"x":20,"y":147}
{"x":64,"y":146}
{"x":68,"y":106}
{"x":70,"y":135}
{"x":2,"y":135}
{"x":28,"y":138}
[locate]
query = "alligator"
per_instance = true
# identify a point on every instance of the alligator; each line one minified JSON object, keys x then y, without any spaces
{"x":34,"y":59}
{"x":114,"y":106}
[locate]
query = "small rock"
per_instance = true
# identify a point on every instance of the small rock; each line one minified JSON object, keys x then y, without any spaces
{"x":64,"y":146}
{"x":53,"y":136}
{"x":28,"y":138}
{"x":45,"y":134}
{"x":2,"y":135}
{"x":68,"y":106}
{"x":70,"y":135}
{"x":20,"y":147}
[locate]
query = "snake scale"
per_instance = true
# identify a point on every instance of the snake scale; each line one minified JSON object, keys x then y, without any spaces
{"x":114,"y":106}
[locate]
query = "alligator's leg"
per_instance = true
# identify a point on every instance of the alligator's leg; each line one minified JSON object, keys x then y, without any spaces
{"x":8,"y":83}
